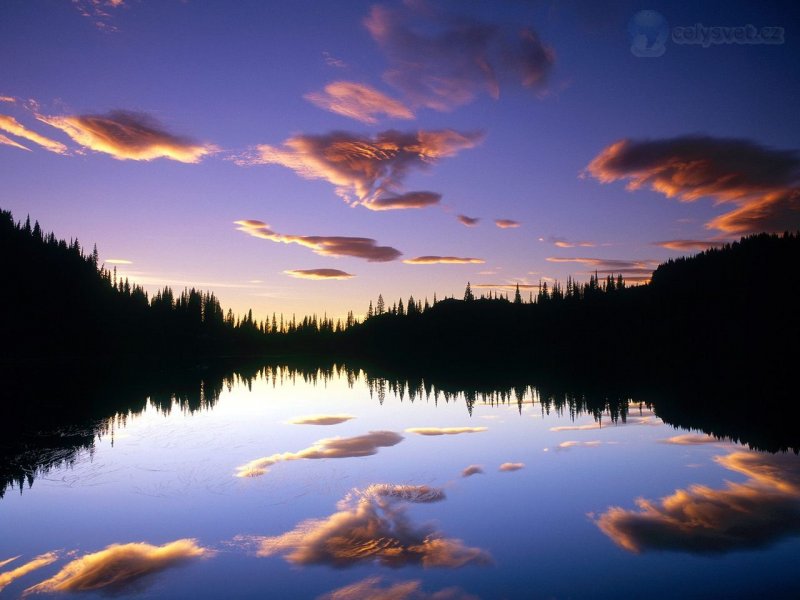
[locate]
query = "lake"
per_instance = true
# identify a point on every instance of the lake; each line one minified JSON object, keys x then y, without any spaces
{"x":342,"y":484}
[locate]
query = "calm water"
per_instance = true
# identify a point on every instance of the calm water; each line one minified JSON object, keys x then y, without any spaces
{"x":345,"y":488}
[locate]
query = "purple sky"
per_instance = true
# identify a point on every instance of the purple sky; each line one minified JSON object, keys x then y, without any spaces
{"x":307,"y":156}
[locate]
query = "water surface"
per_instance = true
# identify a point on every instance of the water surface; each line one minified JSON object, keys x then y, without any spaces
{"x":345,"y":485}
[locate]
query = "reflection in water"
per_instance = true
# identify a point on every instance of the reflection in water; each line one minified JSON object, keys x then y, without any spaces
{"x":472,"y":470}
{"x":321,"y":419}
{"x":692,"y":439}
{"x":22,"y":570}
{"x":756,"y":513}
{"x":444,"y":430}
{"x":511,"y":466}
{"x":352,"y":447}
{"x":119,"y":567}
{"x":370,"y":589}
{"x":372,"y":526}
{"x":65,"y":412}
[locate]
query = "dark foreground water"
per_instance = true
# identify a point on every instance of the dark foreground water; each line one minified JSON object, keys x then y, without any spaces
{"x":352,"y":487}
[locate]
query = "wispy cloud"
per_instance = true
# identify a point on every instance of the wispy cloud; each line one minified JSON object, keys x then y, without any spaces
{"x":561,"y":242}
{"x":361,"y":445}
{"x":611,"y":266}
{"x":128,"y":135}
{"x":371,"y":589}
{"x":99,"y":12}
{"x":9,"y":99}
{"x":763,"y":182}
{"x":472,"y":470}
{"x":445,"y":430}
{"x":372,"y":526}
{"x":754,"y":514}
{"x":318,"y":274}
{"x":321,"y":419}
{"x":358,"y":101}
{"x":9,"y":142}
{"x":11,"y":126}
{"x":366,"y":170}
{"x":358,"y":247}
{"x":506,"y":286}
{"x":511,"y":466}
{"x":506,"y":223}
{"x":684,"y":245}
{"x":440,"y":60}
{"x":468,"y":221}
{"x":40,"y":561}
{"x":404,"y":201}
{"x":119,"y":566}
{"x":333,"y":61}
{"x":118,"y":261}
{"x":446,"y":260}
{"x":578,"y":444}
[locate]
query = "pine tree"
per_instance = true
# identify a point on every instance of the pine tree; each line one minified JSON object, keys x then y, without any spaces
{"x":468,"y":295}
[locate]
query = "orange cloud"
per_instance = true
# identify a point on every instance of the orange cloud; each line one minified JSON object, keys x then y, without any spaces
{"x":318,"y":274}
{"x":447,"y":260}
{"x":468,"y":221}
{"x":440,"y":60}
{"x":129,"y":136}
{"x":365,"y":170}
{"x":40,"y":561}
{"x":9,"y":99}
{"x":365,"y":248}
{"x":683,"y":245}
{"x":445,"y":430}
{"x":506,"y":286}
{"x":12,"y":126}
{"x":361,"y":445}
{"x":511,"y":466}
{"x":472,"y":470}
{"x":608,"y":266}
{"x":118,"y":261}
{"x":404,"y":201}
{"x":358,"y":101}
{"x":119,"y":566}
{"x":763,"y":182}
{"x":372,"y":526}
{"x":9,"y":142}
{"x":754,"y":514}
{"x":575,"y":444}
{"x":560,"y":242}
{"x":371,"y":589}
{"x":506,"y":223}
{"x":321,"y":419}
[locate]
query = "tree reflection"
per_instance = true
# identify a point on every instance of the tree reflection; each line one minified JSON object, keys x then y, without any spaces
{"x":52,"y":415}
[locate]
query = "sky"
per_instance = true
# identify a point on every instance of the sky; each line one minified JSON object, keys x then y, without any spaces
{"x":304,"y":157}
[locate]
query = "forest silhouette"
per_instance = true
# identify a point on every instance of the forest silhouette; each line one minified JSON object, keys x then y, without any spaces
{"x":710,"y":342}
{"x":727,"y":312}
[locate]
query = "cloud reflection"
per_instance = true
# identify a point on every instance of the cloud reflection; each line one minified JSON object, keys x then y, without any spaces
{"x":321,"y":419}
{"x":119,"y":566}
{"x":361,"y":445}
{"x":754,"y":514}
{"x":472,"y":470}
{"x":372,"y":526}
{"x":511,"y":466}
{"x":9,"y":577}
{"x":370,"y":589}
{"x":445,"y":430}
